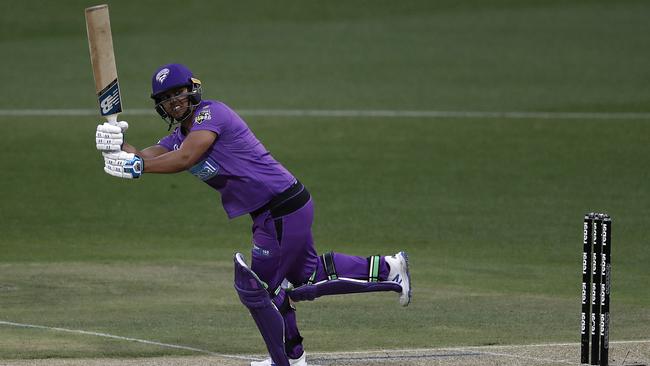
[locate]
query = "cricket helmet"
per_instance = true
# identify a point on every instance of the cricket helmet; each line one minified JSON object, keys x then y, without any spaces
{"x":173,"y":76}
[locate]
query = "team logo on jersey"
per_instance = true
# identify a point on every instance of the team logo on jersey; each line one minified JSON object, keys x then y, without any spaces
{"x":162,"y":75}
{"x":203,"y":116}
{"x":206,"y":169}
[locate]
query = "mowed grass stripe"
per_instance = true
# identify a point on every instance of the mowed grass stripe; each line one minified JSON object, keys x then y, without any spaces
{"x":129,"y":339}
{"x":337,"y":113}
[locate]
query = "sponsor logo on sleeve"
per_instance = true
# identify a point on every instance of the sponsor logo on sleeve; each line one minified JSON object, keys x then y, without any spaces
{"x":204,"y":115}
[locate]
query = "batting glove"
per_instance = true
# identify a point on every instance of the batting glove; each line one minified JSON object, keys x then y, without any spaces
{"x":122,"y":164}
{"x":110,"y":137}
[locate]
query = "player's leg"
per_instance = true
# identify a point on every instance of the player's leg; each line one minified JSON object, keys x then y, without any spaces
{"x":278,"y":244}
{"x":337,"y":273}
{"x":253,"y":293}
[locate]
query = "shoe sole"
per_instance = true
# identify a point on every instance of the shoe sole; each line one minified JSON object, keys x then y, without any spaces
{"x":408,"y":276}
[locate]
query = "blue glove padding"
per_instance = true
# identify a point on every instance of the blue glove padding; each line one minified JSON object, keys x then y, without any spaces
{"x":122,"y":164}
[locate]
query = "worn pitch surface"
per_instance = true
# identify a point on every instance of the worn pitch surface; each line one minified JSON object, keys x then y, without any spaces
{"x":621,"y":353}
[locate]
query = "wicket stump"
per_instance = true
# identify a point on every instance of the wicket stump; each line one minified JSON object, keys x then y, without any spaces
{"x":596,"y":287}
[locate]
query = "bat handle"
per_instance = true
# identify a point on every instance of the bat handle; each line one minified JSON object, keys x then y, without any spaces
{"x":112,"y":119}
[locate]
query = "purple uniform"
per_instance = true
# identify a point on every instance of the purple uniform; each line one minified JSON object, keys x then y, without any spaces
{"x":251,"y":181}
{"x":237,"y":164}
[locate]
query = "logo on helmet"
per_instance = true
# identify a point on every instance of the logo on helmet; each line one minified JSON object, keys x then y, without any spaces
{"x":162,"y":75}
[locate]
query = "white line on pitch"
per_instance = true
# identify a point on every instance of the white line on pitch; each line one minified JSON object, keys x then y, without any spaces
{"x":105,"y":335}
{"x":333,"y":113}
{"x":632,"y":341}
{"x":462,"y":348}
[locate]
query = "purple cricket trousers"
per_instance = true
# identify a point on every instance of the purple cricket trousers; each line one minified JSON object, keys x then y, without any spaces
{"x":283,"y":247}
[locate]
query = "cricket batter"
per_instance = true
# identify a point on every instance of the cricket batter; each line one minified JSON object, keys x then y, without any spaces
{"x":215,"y":145}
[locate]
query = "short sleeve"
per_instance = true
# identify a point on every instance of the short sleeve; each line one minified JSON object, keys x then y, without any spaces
{"x":213,"y":117}
{"x":168,"y":141}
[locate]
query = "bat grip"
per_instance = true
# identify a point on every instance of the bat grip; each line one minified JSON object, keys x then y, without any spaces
{"x":112,"y":119}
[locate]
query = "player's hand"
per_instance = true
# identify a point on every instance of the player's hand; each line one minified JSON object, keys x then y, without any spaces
{"x":110,"y":137}
{"x":122,"y":164}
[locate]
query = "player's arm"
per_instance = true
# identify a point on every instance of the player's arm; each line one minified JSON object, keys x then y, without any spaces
{"x":148,"y":153}
{"x":155,"y":159}
{"x":193,"y":147}
{"x":110,"y":138}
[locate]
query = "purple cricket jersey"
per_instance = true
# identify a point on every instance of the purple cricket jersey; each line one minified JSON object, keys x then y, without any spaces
{"x":237,"y":164}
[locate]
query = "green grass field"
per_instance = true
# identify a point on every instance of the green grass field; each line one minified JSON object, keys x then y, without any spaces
{"x":489,"y":209}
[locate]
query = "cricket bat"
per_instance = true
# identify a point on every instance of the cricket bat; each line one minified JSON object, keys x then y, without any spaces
{"x":102,"y":58}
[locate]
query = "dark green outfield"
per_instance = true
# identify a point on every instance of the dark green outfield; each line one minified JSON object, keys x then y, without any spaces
{"x":489,"y":209}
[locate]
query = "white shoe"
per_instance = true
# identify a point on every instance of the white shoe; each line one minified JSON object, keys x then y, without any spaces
{"x":302,"y":361}
{"x":399,"y":272}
